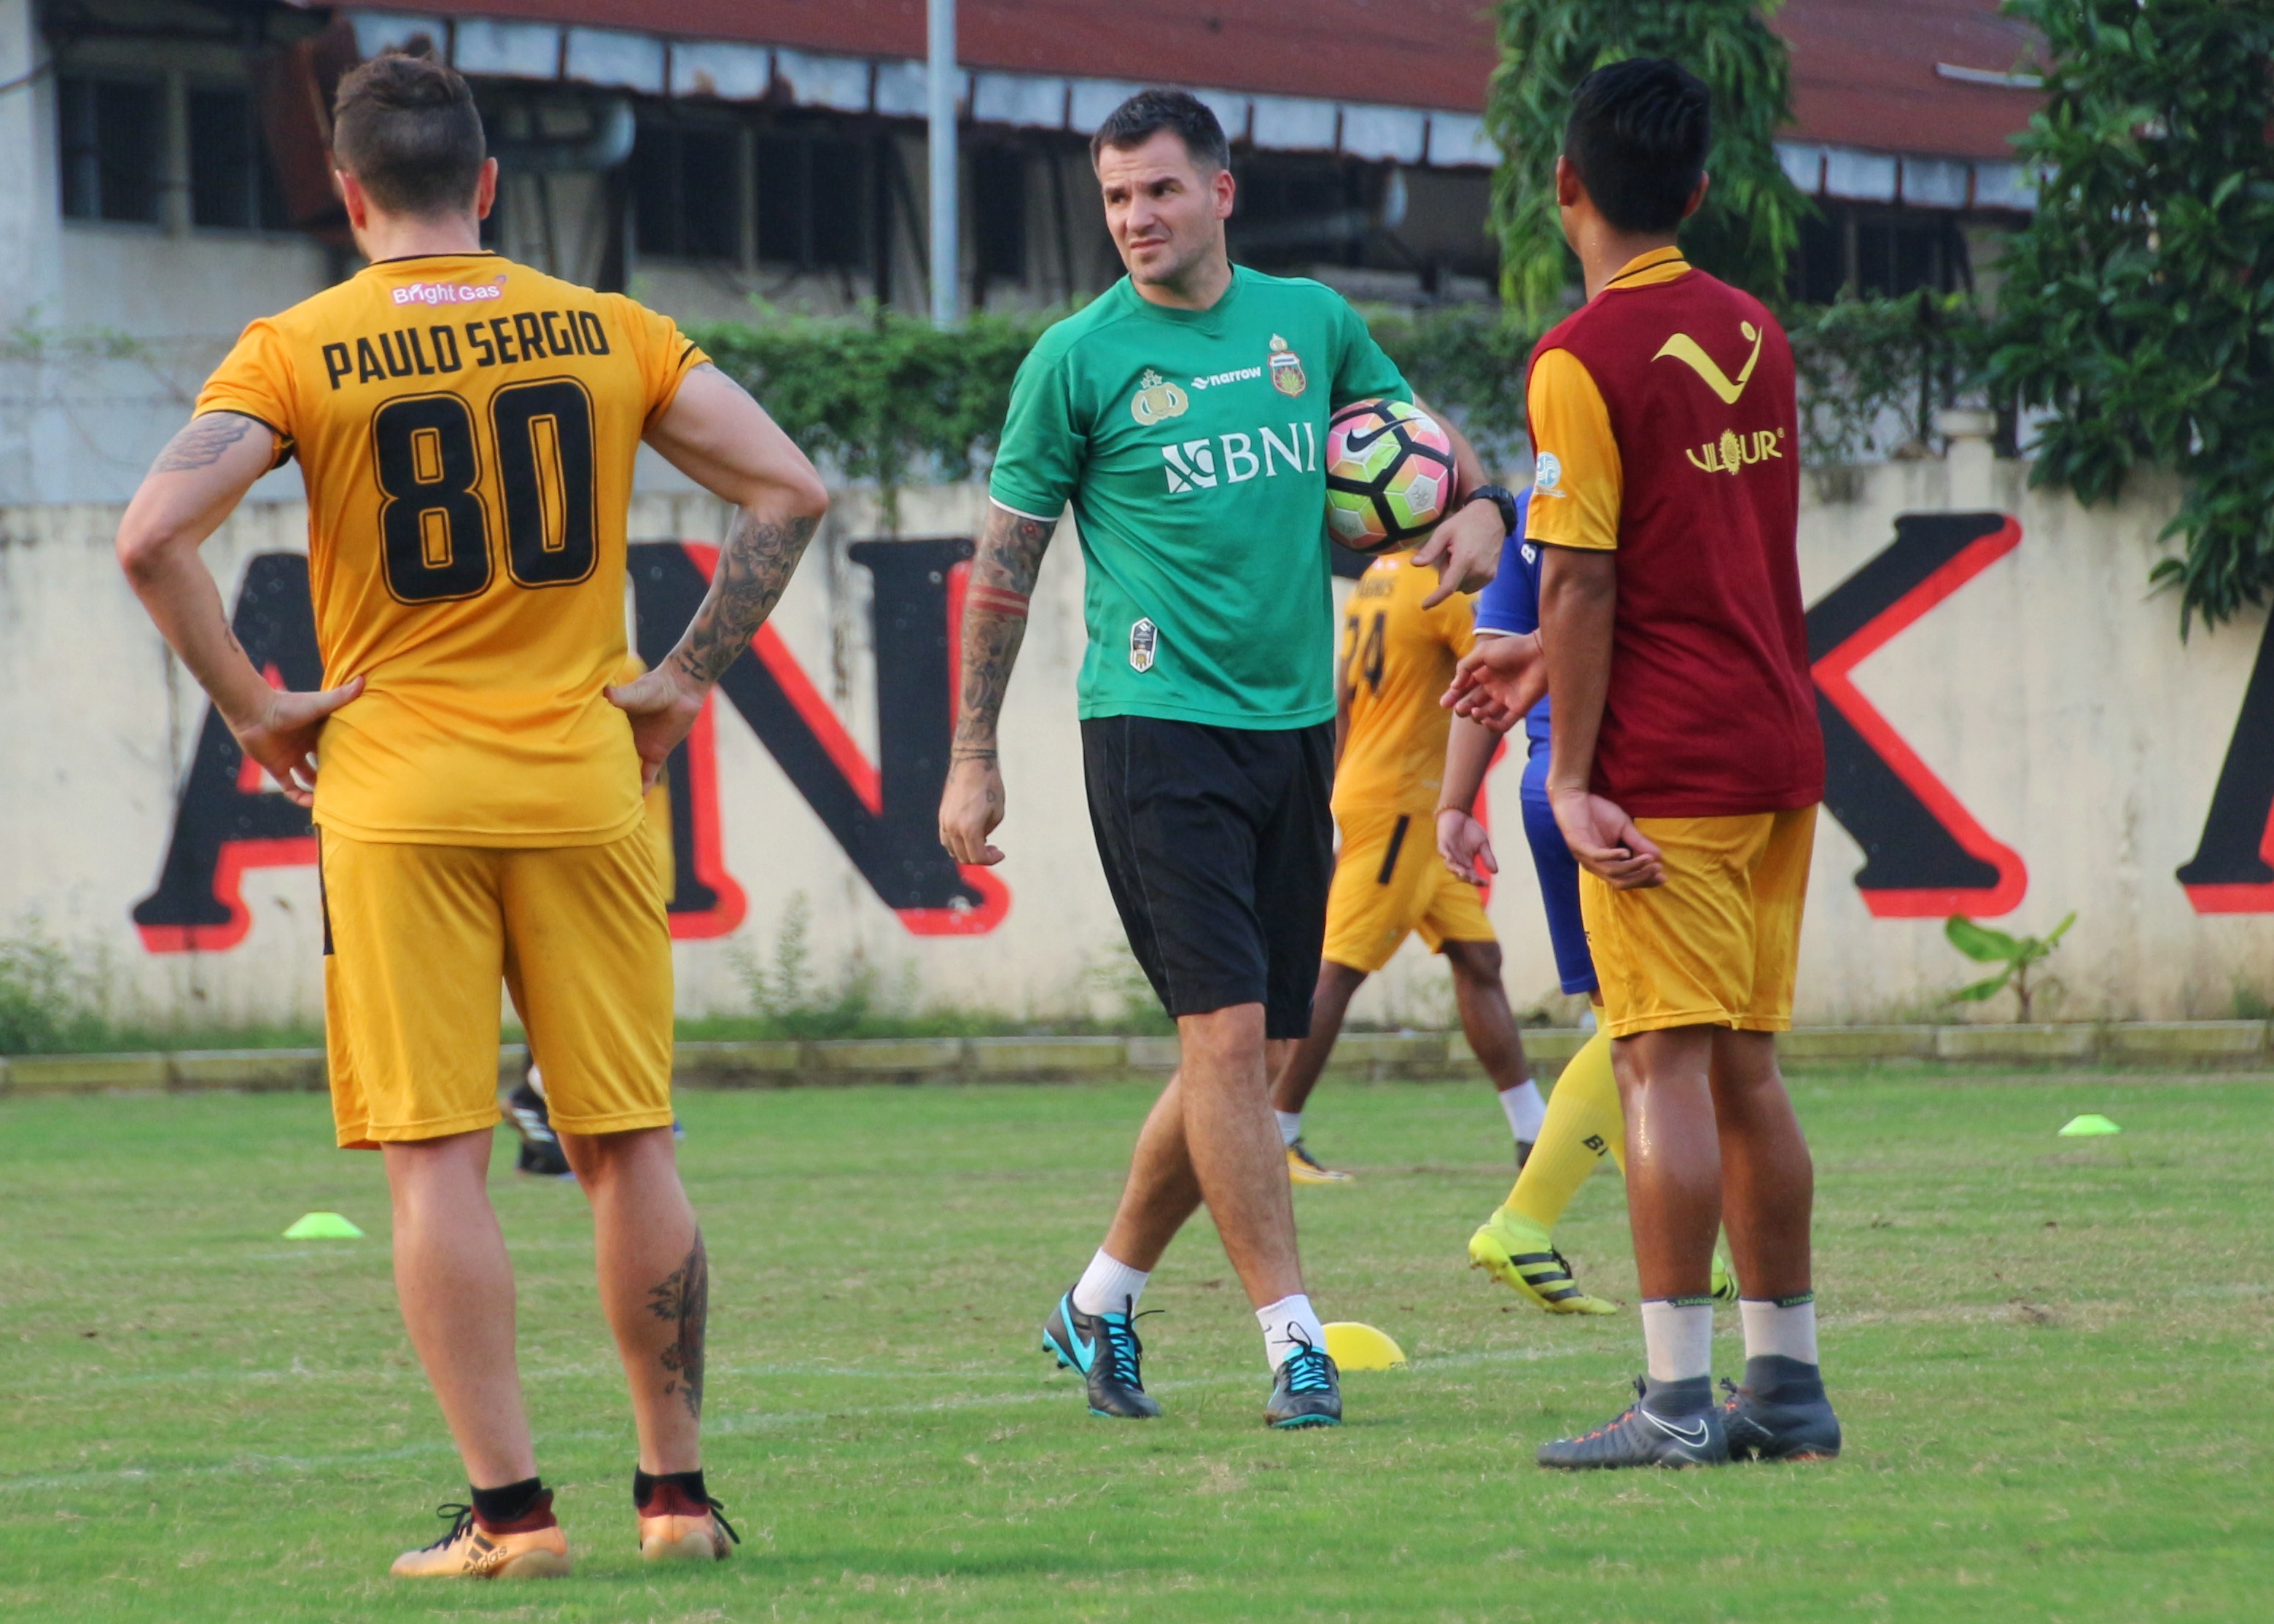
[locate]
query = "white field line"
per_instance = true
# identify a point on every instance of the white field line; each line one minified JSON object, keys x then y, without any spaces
{"x":262,"y":1465}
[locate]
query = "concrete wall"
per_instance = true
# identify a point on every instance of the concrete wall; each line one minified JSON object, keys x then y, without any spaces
{"x":2048,"y":692}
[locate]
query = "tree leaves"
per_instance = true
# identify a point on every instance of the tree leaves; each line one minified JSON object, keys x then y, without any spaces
{"x":1750,"y":224}
{"x":2137,"y":306}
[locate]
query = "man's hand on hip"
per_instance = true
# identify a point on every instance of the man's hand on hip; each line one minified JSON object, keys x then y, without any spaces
{"x":970,"y":807}
{"x":1605,"y":840}
{"x":663,"y":705}
{"x":282,"y":736}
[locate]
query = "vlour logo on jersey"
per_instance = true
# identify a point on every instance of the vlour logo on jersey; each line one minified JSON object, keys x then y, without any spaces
{"x":1734,"y":452}
{"x":1194,"y":465}
{"x":1692,"y":354}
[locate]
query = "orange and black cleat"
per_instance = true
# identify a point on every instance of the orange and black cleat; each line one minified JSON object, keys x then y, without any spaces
{"x":532,"y":1546}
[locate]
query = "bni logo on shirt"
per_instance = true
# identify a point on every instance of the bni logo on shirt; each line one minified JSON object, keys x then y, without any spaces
{"x":1144,"y":642}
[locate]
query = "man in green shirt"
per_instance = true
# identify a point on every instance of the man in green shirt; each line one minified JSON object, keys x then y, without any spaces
{"x":1182,"y":415}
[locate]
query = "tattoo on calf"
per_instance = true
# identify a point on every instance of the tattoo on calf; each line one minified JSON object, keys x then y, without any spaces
{"x":203,"y":442}
{"x":1003,"y":574}
{"x":753,"y":567}
{"x":685,"y":1296}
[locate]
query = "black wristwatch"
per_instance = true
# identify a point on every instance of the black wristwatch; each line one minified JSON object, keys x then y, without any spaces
{"x":1500,"y":498}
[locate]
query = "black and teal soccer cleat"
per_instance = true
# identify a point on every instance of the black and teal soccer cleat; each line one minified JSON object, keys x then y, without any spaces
{"x":1670,"y":1424}
{"x":1780,"y":1413}
{"x":1307,"y":1392}
{"x":1104,"y":1350}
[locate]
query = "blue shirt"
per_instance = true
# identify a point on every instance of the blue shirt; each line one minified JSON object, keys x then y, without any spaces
{"x":1511,"y":603}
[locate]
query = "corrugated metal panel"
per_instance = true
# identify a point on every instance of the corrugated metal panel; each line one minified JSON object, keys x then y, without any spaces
{"x":2004,"y":185}
{"x":1804,"y":165}
{"x":1866,"y":178}
{"x":1937,"y":183}
{"x":379,"y":31}
{"x":1294,"y":124}
{"x":611,"y":57}
{"x":1399,"y":133}
{"x":1094,"y":99}
{"x":838,"y":82}
{"x":1231,"y":111}
{"x":1017,"y":99}
{"x":714,"y":68}
{"x":1459,"y":142}
{"x":507,"y":50}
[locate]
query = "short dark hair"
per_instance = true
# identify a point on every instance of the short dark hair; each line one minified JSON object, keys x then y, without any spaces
{"x":406,"y":127}
{"x":1149,"y":112}
{"x":1637,"y":135}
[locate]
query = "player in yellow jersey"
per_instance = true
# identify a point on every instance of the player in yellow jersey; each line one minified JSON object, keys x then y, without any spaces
{"x":466,"y":429}
{"x":1398,"y":655}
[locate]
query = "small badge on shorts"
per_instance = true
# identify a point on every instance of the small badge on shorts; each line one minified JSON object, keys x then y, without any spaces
{"x":1144,"y":640}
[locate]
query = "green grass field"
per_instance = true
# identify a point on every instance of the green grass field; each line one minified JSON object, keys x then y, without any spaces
{"x":2051,"y":1357}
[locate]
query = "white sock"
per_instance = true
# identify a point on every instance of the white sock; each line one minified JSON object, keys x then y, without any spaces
{"x":537,"y":1081}
{"x":1287,"y":1323}
{"x":1587,"y":1018}
{"x":1677,"y":1335}
{"x":1526,"y":1110}
{"x":1787,"y":1329}
{"x":1290,"y":1126}
{"x":1109,"y":1286}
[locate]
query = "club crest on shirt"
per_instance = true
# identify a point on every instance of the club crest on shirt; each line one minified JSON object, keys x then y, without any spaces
{"x":1144,"y":642}
{"x":1286,"y":368}
{"x":1548,"y":475}
{"x":1157,"y":400}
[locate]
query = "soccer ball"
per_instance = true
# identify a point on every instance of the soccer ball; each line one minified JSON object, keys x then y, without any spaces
{"x":1389,"y":474}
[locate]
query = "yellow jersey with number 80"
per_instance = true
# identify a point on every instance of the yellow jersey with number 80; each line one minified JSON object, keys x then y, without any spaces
{"x":466,"y":428}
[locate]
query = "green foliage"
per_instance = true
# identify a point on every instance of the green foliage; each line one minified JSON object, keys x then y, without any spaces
{"x":1864,"y":364}
{"x":2139,"y":305}
{"x":47,"y":1006}
{"x":2017,"y":956}
{"x":1747,"y":228}
{"x":887,"y":398}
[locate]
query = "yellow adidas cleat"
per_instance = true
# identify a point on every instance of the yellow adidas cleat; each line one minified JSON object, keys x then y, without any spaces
{"x":1517,"y":1253}
{"x":675,"y":1527}
{"x":469,"y":1551}
{"x":1303,"y":1168}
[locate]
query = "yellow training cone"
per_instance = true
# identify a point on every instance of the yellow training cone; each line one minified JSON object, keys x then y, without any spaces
{"x":1355,"y":1347}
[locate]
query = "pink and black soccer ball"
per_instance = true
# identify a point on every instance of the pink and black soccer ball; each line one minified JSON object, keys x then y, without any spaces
{"x":1389,"y":474}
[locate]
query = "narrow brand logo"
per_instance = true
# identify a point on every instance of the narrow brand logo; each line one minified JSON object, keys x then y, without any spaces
{"x":1687,"y":350}
{"x":1144,"y":642}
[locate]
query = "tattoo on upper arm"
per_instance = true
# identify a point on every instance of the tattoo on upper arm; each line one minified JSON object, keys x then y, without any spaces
{"x":203,"y":443}
{"x":754,"y":569}
{"x":1003,"y":576}
{"x":685,"y":1296}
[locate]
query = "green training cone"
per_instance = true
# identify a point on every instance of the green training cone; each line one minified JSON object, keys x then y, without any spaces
{"x":2090,"y":1123}
{"x":332,"y":1227}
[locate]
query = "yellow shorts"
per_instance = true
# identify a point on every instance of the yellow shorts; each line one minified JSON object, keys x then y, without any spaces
{"x":1389,"y":880}
{"x":1718,"y":944}
{"x":416,"y":941}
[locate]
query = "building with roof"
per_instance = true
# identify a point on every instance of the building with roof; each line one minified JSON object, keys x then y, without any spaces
{"x":167,"y":182}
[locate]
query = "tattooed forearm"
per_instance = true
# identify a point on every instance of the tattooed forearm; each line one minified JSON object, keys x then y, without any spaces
{"x":685,"y":1296}
{"x":203,"y":443}
{"x":994,"y":624}
{"x":753,"y":567}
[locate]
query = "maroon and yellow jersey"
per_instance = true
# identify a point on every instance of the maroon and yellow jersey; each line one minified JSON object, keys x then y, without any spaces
{"x":1663,"y":416}
{"x":466,"y":428}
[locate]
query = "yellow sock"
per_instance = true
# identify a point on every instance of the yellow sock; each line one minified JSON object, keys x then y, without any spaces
{"x":1584,"y":1124}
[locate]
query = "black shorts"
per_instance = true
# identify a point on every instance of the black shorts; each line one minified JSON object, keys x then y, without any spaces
{"x":1219,"y":847}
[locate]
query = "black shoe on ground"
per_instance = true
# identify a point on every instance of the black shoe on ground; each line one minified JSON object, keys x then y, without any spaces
{"x":1780,"y":1413}
{"x":1307,"y":1392}
{"x":541,"y":1155}
{"x":1104,"y":1349}
{"x":1670,"y":1424}
{"x":1522,"y":1154}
